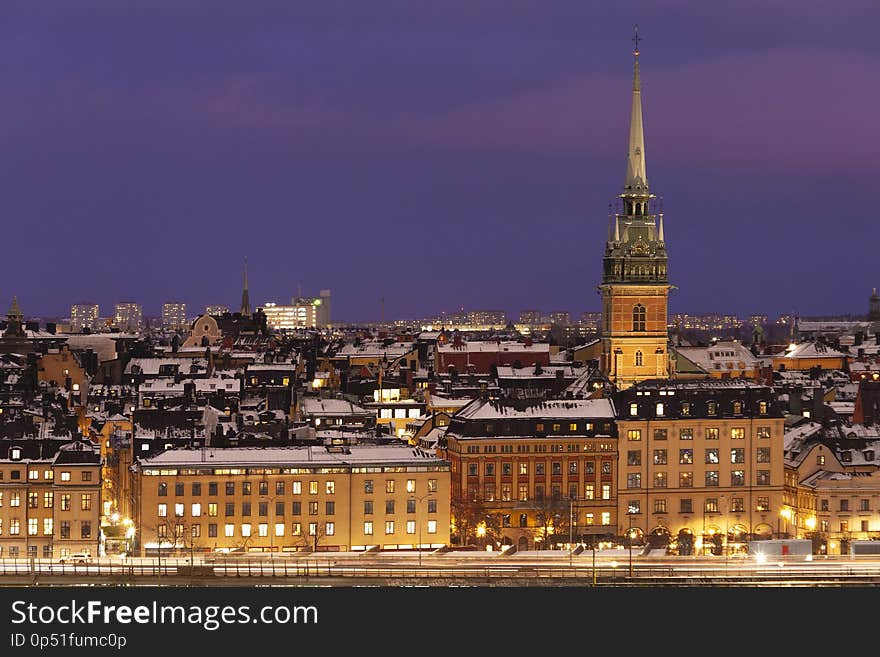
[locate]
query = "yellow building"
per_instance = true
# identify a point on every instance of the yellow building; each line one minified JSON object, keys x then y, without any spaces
{"x":807,"y":355}
{"x":59,"y":367}
{"x":533,"y":468}
{"x":701,"y":464}
{"x":292,"y":498}
{"x":50,"y":498}
{"x":635,"y":286}
{"x":848,"y":508}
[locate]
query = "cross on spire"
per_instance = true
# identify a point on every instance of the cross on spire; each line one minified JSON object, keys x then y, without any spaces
{"x":636,"y":38}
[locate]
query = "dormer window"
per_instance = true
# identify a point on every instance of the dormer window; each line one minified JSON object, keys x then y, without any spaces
{"x":737,"y":407}
{"x":685,"y":408}
{"x":633,"y":409}
{"x":762,"y":407}
{"x":711,"y":408}
{"x":15,"y":453}
{"x":869,"y":454}
{"x":660,"y":409}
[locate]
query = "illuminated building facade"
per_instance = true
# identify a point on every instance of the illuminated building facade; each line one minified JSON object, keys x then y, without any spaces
{"x":288,"y":499}
{"x":701,"y":464}
{"x":543,"y":471}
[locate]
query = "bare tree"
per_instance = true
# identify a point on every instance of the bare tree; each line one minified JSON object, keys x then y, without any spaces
{"x":308,"y":539}
{"x":551,"y":516}
{"x":470,"y":518}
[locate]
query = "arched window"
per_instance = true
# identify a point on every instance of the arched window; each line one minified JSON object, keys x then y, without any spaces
{"x":638,"y":358}
{"x":638,"y":317}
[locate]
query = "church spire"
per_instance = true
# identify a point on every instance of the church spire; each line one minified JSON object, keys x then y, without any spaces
{"x":245,"y":300}
{"x":636,"y":174}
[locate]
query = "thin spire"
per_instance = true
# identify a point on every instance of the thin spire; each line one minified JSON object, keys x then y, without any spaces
{"x":245,"y":299}
{"x":660,"y":230}
{"x":15,"y":311}
{"x":636,"y":173}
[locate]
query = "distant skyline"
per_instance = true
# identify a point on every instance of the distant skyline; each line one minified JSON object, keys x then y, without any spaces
{"x":462,"y":154}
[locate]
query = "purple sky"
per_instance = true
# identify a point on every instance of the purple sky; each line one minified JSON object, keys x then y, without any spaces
{"x":460,"y":153}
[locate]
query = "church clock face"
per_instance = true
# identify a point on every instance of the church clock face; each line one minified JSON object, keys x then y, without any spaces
{"x":640,"y":248}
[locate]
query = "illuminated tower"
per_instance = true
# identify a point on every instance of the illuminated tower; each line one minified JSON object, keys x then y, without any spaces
{"x":634,"y":285}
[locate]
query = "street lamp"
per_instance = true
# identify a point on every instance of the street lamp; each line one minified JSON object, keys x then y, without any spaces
{"x":784,"y":513}
{"x":629,"y":534}
{"x":418,"y":522}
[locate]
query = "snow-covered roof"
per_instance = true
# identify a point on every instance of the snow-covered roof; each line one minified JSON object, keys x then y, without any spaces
{"x":150,"y":366}
{"x":167,"y":385}
{"x":494,"y":346}
{"x":271,"y":367}
{"x":334,"y":407}
{"x":569,"y":408}
{"x":721,"y":356}
{"x":547,"y":372}
{"x":303,"y":457}
{"x":813,"y":350}
{"x":439,"y":401}
{"x":373,"y":349}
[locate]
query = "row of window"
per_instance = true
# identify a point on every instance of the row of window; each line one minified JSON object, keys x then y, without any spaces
{"x":686,"y":407}
{"x":710,"y":505}
{"x":686,"y":479}
{"x":540,"y":469}
{"x":212,"y":508}
{"x":712,"y":456}
{"x":33,"y":500}
{"x":246,"y":530}
{"x":296,"y":487}
{"x":48,"y":475}
{"x":489,"y":492}
{"x":540,"y":449}
{"x":710,"y":433}
{"x":48,"y":525}
{"x":864,"y":505}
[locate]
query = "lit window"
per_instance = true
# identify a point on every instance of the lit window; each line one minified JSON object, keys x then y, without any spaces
{"x":196,"y":510}
{"x":634,"y":434}
{"x":65,"y":476}
{"x":330,"y":487}
{"x":659,"y":409}
{"x":246,"y":530}
{"x":606,"y":517}
{"x":410,"y":485}
{"x":389,"y":526}
{"x":368,"y":528}
{"x":229,"y":530}
{"x":410,"y":526}
{"x":432,"y":526}
{"x":163,"y":511}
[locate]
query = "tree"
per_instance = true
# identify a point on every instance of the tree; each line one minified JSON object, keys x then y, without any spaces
{"x":308,"y":539}
{"x":551,"y":517}
{"x":471,"y":518}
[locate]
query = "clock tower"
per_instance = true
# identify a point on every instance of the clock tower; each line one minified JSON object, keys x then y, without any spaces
{"x":634,"y":285}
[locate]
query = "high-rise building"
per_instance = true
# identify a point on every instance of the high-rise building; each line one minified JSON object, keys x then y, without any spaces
{"x":303,"y":312}
{"x":174,"y":316}
{"x":635,"y":287}
{"x":216,"y":310}
{"x":560,"y":317}
{"x":324,"y":319}
{"x":128,"y":316}
{"x":530,"y":317}
{"x":84,"y":315}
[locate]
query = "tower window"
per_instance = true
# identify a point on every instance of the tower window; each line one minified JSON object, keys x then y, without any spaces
{"x":638,"y":359}
{"x":639,"y":314}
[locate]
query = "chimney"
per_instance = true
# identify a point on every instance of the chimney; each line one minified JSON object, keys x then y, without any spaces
{"x":528,"y":342}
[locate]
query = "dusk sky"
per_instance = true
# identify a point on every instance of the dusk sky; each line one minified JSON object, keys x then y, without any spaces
{"x":437,"y":154}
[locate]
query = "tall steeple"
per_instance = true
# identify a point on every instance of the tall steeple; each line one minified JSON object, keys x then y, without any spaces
{"x":636,"y":172}
{"x":635,"y":287}
{"x":245,"y":299}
